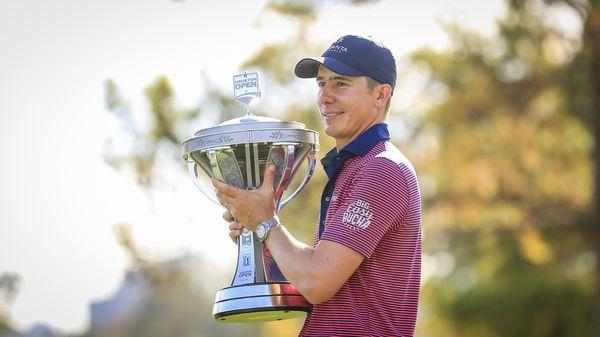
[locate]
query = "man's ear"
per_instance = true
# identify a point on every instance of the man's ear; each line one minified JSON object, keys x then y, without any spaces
{"x":383,"y":93}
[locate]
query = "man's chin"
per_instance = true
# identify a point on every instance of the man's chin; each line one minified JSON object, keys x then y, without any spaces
{"x":330,"y":131}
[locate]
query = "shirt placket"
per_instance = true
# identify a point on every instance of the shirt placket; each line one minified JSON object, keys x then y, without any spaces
{"x":338,"y":162}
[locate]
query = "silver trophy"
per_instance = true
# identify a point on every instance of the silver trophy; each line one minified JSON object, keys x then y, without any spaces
{"x":237,"y":152}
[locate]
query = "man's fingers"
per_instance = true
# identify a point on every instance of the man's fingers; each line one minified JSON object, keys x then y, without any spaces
{"x":269,"y":176}
{"x":234,"y":225}
{"x":233,"y":235}
{"x":227,"y":216}
{"x":224,"y":188}
{"x":235,"y":230}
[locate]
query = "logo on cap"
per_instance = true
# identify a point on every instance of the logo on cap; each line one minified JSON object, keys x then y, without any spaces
{"x":335,"y":47}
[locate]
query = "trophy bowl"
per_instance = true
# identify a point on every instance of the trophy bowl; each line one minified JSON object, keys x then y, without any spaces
{"x":237,"y":152}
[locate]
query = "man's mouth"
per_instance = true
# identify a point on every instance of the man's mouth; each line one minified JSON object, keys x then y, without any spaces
{"x":332,"y":114}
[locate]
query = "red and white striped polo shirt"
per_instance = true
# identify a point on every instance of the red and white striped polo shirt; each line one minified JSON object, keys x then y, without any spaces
{"x":375,"y":209}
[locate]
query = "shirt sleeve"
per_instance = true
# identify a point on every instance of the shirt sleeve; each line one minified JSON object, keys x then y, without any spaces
{"x":378,"y":199}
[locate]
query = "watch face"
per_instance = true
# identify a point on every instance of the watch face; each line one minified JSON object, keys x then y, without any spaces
{"x":260,"y":231}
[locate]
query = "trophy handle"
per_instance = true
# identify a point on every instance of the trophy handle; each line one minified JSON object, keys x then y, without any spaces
{"x":312,"y":162}
{"x":192,"y":171}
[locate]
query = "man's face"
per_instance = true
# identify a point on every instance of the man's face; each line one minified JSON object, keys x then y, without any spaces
{"x":346,"y":104}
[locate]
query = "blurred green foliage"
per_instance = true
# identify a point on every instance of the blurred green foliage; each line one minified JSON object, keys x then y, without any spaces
{"x":177,"y":298}
{"x":511,"y":208}
{"x":9,"y":285}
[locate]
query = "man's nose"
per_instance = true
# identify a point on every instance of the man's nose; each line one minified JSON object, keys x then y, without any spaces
{"x":326,"y":95}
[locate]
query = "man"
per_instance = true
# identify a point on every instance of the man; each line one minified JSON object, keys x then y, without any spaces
{"x":363,"y":271}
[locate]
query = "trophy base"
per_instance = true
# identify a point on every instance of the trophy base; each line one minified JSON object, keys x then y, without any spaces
{"x":259,"y":302}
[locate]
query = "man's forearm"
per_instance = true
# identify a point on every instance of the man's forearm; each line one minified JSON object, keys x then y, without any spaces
{"x":296,"y":261}
{"x":318,"y":273}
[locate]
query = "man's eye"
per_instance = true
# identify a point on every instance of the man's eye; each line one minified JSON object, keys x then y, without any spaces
{"x":341,"y":84}
{"x":321,"y":84}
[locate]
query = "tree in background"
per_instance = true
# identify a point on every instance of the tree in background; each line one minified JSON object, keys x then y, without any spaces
{"x":162,"y":299}
{"x":512,"y":174}
{"x":9,"y":286}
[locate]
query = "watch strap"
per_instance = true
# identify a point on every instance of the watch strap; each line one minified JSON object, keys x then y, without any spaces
{"x":267,"y":225}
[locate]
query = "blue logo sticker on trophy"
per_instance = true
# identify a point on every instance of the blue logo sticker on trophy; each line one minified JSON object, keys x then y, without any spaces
{"x":237,"y":152}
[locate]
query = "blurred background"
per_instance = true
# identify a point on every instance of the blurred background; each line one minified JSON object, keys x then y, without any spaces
{"x":102,"y":233}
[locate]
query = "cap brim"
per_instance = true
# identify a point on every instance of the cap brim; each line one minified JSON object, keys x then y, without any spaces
{"x":309,"y":67}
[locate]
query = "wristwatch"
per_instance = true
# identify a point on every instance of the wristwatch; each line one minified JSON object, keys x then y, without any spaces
{"x":263,"y":228}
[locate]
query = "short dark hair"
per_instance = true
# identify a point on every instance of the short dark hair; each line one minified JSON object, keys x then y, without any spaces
{"x":371,"y":84}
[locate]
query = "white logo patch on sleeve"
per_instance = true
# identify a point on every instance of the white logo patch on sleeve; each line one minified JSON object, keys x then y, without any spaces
{"x":357,"y":215}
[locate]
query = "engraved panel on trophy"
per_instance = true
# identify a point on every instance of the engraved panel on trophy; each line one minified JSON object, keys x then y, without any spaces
{"x":200,"y":158}
{"x":277,"y":157}
{"x":229,"y":168}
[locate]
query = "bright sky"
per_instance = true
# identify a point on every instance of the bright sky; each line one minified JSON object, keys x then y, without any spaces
{"x":59,"y":201}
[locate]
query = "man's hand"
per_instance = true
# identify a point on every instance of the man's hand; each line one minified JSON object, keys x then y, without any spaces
{"x":248,"y":207}
{"x":235,"y":229}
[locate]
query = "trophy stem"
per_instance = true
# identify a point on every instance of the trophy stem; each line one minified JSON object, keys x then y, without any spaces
{"x":250,"y":268}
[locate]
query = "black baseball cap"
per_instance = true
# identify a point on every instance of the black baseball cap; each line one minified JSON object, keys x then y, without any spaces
{"x":353,"y":55}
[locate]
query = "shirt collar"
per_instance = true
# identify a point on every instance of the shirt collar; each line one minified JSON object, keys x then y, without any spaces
{"x":333,"y":161}
{"x":363,"y":143}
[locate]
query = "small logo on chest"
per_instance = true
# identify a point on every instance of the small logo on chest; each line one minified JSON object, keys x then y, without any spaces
{"x":357,"y":215}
